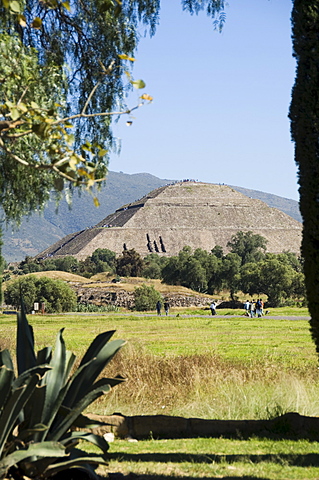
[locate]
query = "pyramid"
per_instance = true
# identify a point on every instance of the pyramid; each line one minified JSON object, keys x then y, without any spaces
{"x":200,"y":215}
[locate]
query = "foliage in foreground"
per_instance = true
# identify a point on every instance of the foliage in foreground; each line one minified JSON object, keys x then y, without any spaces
{"x":41,"y":405}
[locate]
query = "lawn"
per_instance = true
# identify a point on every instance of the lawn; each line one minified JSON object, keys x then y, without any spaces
{"x":211,"y":458}
{"x":223,"y":367}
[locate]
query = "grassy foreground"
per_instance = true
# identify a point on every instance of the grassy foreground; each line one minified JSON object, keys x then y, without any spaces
{"x":223,"y":367}
{"x":209,"y":458}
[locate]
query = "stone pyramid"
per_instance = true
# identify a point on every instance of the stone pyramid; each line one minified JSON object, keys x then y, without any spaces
{"x":200,"y":215}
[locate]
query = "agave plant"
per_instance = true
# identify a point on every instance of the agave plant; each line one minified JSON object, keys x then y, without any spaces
{"x":41,"y":405}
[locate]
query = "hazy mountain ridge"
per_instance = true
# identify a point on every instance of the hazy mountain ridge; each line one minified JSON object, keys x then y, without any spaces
{"x":40,"y":231}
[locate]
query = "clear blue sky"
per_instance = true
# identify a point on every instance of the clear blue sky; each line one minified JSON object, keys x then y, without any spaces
{"x":221,"y":101}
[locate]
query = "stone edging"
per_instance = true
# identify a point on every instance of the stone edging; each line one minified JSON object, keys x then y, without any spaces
{"x":290,"y":425}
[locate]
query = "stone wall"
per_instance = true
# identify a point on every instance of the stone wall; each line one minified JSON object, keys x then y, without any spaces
{"x":122,"y":298}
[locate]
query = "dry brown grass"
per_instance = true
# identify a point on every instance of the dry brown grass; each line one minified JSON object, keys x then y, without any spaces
{"x":206,"y":386}
{"x":67,"y":277}
{"x":130,"y":283}
{"x":6,"y":343}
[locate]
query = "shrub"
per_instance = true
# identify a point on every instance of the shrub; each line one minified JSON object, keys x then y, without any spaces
{"x":41,"y":406}
{"x":56,"y":294}
{"x":146,"y":297}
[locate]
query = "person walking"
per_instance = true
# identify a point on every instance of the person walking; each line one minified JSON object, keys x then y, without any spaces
{"x":247,"y":307}
{"x":253,"y":309}
{"x":158,"y":307}
{"x":166,"y":307}
{"x":213,"y":308}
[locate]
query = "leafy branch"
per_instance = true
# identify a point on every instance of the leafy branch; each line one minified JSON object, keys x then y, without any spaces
{"x":31,"y":115}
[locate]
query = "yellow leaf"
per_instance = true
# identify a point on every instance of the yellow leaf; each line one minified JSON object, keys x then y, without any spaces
{"x":96,"y":202}
{"x":66,"y":5}
{"x":37,"y":23}
{"x":102,"y":152}
{"x":123,"y":56}
{"x":145,"y":96}
{"x":22,"y":20}
{"x":73,"y":162}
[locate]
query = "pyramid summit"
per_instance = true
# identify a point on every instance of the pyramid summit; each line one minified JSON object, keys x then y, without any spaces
{"x":200,"y":215}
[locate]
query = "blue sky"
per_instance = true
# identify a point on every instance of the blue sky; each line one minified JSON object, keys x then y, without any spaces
{"x":221,"y":101}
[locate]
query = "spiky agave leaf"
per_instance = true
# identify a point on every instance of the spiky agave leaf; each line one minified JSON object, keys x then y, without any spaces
{"x":26,"y":358}
{"x":13,"y":408}
{"x":101,"y":356}
{"x":44,"y":449}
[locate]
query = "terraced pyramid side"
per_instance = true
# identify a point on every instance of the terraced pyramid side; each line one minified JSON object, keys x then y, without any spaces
{"x":200,"y":215}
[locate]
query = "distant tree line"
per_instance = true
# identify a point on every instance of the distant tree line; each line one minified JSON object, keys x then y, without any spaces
{"x":246,"y":268}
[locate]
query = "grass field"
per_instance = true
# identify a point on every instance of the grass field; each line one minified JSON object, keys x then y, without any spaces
{"x":209,"y":458}
{"x":202,"y":366}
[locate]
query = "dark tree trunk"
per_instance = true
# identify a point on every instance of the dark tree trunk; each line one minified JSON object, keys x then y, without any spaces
{"x":304,"y":116}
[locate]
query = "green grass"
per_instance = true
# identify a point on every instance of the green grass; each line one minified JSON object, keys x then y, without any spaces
{"x":201,"y":366}
{"x":238,"y":339}
{"x":216,"y":458}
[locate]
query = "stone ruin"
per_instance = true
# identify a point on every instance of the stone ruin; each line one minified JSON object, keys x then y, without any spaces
{"x":200,"y":215}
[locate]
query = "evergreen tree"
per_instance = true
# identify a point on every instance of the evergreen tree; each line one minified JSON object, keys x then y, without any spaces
{"x":305,"y":133}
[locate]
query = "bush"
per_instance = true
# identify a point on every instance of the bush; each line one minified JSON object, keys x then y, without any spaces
{"x":56,"y":294}
{"x":146,"y":297}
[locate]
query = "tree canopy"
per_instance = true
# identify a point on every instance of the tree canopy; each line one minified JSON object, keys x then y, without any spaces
{"x":68,"y":77}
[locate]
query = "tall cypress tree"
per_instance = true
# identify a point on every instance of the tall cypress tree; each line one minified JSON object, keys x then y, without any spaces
{"x":304,"y":116}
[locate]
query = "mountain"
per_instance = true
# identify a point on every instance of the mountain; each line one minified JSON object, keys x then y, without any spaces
{"x":40,"y":231}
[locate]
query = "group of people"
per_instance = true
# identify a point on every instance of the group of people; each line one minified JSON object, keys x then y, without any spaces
{"x":254,"y":308}
{"x":159,"y":307}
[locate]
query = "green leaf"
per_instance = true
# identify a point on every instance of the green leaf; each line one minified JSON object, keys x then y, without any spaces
{"x":13,"y":408}
{"x":5,"y":359}
{"x":76,"y":410}
{"x":15,"y":6}
{"x":39,"y":369}
{"x":6,"y":378}
{"x":96,"y":440}
{"x":26,"y":358}
{"x":84,"y":378}
{"x":44,"y":356}
{"x":138,"y":84}
{"x":43,"y":449}
{"x":59,"y":184}
{"x":55,"y":378}
{"x":79,"y":459}
{"x":14,"y":113}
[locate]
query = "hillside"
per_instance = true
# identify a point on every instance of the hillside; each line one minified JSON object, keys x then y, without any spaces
{"x":41,"y":231}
